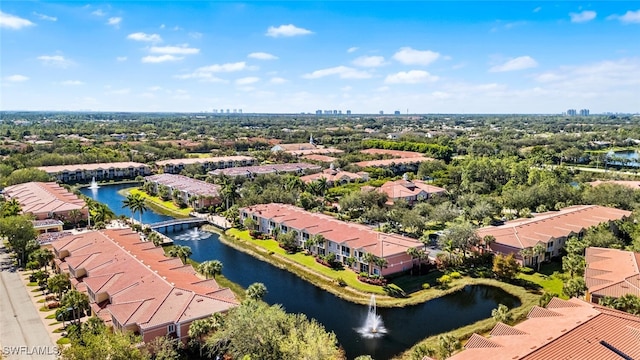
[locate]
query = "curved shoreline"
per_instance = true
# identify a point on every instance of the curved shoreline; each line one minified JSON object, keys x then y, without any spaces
{"x":349,"y":293}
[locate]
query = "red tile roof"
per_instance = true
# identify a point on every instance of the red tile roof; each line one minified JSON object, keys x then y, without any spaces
{"x":612,"y":272}
{"x":144,"y":287}
{"x":323,"y":158}
{"x":186,"y":184}
{"x":400,"y":189}
{"x":44,"y":198}
{"x":578,"y":330}
{"x":314,"y":151}
{"x":394,"y":153}
{"x":332,"y":176}
{"x":544,"y":227}
{"x":266,"y":169}
{"x":355,"y":236}
{"x":635,"y":185}
{"x":89,"y":167}
{"x":188,"y":161}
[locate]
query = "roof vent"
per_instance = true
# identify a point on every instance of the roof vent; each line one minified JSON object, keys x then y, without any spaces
{"x":178,"y":293}
{"x":199,"y":300}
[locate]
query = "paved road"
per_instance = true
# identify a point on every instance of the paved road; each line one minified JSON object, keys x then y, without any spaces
{"x":22,"y":333}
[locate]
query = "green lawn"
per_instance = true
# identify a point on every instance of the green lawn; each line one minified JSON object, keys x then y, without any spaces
{"x":549,"y":278}
{"x":167,"y":206}
{"x":309,"y":262}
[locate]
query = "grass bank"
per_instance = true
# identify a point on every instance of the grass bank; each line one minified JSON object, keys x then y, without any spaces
{"x":549,"y":279}
{"x":307,"y":268}
{"x":157,"y":204}
{"x":527,"y":298}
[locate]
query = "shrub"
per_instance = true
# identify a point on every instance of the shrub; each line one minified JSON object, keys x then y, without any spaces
{"x":53,"y":305}
{"x":394,"y":291}
{"x":340,"y":281}
{"x":444,"y":280}
{"x":526,"y":270}
{"x":50,"y":297}
{"x":426,"y":286}
{"x":373,"y":281}
{"x":455,"y":275}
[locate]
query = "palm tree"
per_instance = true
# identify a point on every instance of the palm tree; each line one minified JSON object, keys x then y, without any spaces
{"x":135,"y":203}
{"x":10,"y":208}
{"x":526,"y":253}
{"x":77,"y":301}
{"x":538,"y":250}
{"x":502,"y":314}
{"x":74,"y":216}
{"x":58,"y":284}
{"x":181,"y":251}
{"x":101,"y":213}
{"x":216,"y":267}
{"x":256,"y":291}
{"x":416,"y":254}
{"x":43,"y":256}
{"x":210,"y":268}
{"x":198,"y":329}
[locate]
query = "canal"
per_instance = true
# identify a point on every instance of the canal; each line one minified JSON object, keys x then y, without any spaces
{"x":405,"y":326}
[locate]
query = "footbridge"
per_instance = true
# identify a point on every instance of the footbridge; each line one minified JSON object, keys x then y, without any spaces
{"x":174,"y":225}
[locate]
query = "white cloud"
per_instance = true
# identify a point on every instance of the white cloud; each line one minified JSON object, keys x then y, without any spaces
{"x":537,"y":9}
{"x":72,"y":83}
{"x":155,"y":88}
{"x":183,"y":49}
{"x":45,"y":17}
{"x":205,"y":73}
{"x":630,"y":17}
{"x":195,"y":35}
{"x":247,"y":80}
{"x":114,"y":21}
{"x":121,"y":58}
{"x":140,"y":36}
{"x":595,"y":77}
{"x":262,"y":56}
{"x":228,"y":67}
{"x":584,"y":16}
{"x":162,"y":26}
{"x":352,"y":49}
{"x":344,"y":72}
{"x":119,"y":92}
{"x":55,"y":60}
{"x":369,"y":61}
{"x":410,"y":77}
{"x":16,"y":78}
{"x":13,"y":22}
{"x":160,"y":58}
{"x":99,"y":12}
{"x":287,"y":31}
{"x":519,"y":63}
{"x":277,"y":80}
{"x":409,"y":56}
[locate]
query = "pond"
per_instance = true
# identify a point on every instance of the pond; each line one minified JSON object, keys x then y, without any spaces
{"x":405,"y":326}
{"x":108,"y":194}
{"x":624,"y":157}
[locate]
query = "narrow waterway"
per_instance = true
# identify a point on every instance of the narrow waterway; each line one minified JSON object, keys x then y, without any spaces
{"x":405,"y":326}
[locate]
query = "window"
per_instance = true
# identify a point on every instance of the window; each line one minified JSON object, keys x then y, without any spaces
{"x":171,"y":328}
{"x":550,"y":245}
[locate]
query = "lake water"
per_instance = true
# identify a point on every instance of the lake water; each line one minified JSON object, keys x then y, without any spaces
{"x":108,"y":194}
{"x":631,"y":156}
{"x":405,"y":326}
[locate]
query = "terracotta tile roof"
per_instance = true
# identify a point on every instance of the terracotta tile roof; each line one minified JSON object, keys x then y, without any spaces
{"x":144,"y":287}
{"x":91,"y":167}
{"x":332,"y":176}
{"x":266,"y":169}
{"x":612,"y":272}
{"x":578,"y":330}
{"x":400,"y":189}
{"x":323,"y":158}
{"x":635,"y":185}
{"x":44,"y":198}
{"x":314,"y":151}
{"x":356,"y":236}
{"x":544,"y":227}
{"x":186,"y":184}
{"x":296,"y":146}
{"x":189,"y":161}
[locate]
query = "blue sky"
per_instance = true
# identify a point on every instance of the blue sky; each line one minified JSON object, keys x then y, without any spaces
{"x":300,"y":56}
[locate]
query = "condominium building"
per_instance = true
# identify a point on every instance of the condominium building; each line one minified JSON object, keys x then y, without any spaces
{"x":100,"y":171}
{"x":345,"y":240}
{"x":175,"y":166}
{"x":253,"y":171}
{"x":550,"y":229}
{"x":196,"y":193}
{"x":47,"y":200}
{"x":611,"y":272}
{"x":133,"y":286}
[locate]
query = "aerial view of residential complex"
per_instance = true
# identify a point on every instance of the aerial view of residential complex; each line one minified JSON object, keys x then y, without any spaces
{"x":270,"y":180}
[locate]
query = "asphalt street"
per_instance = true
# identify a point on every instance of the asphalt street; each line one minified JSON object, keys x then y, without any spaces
{"x":22,"y":333}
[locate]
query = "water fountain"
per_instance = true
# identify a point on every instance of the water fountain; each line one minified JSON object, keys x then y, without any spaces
{"x":94,"y":184}
{"x":373,"y":326}
{"x":193,"y":234}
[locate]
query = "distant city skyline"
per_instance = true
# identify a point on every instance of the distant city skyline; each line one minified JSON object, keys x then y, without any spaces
{"x":298,"y":57}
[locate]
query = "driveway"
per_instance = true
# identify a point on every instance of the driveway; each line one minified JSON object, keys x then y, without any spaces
{"x":22,"y":333}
